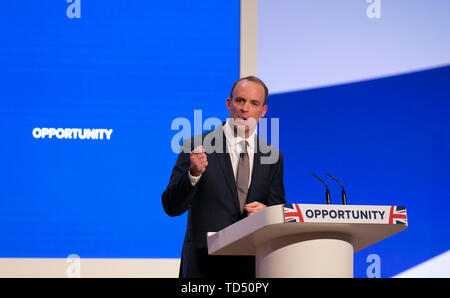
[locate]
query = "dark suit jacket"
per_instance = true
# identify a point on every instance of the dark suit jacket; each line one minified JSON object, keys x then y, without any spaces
{"x":213,"y":204}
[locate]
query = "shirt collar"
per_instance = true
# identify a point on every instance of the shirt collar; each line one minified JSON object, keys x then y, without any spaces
{"x":229,"y":134}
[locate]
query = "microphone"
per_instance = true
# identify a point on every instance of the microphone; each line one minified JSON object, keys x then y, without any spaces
{"x":327,"y":192}
{"x":344,"y":196}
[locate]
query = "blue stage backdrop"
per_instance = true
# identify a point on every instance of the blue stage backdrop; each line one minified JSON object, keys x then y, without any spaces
{"x":88,"y":95}
{"x":388,"y":141}
{"x":125,"y":71}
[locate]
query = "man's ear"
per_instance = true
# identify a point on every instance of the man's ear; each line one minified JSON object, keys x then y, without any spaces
{"x":264,"y":111}
{"x":228,"y":103}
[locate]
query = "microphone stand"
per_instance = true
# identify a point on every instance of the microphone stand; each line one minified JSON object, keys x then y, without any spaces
{"x":327,"y":192}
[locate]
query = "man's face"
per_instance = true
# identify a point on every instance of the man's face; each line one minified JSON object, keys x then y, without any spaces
{"x":247,"y":106}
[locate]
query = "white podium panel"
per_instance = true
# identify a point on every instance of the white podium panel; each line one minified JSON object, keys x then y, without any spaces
{"x":303,"y":240}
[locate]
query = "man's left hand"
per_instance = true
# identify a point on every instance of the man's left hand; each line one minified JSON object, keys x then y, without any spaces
{"x":254,"y":207}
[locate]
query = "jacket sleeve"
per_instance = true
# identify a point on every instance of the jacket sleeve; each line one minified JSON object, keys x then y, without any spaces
{"x":178,"y":196}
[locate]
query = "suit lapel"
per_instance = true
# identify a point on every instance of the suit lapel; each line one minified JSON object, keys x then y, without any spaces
{"x":225,"y":164}
{"x":255,"y":172}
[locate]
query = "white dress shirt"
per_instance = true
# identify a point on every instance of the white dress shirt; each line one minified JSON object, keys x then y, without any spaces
{"x":235,"y":146}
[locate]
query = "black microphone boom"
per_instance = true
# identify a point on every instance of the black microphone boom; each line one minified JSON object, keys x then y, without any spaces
{"x":327,"y":192}
{"x":344,"y":196}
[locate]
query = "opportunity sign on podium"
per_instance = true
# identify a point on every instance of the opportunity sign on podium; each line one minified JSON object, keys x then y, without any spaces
{"x":305,"y":240}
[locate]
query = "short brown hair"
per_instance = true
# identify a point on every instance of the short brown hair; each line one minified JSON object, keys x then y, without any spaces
{"x":254,"y":80}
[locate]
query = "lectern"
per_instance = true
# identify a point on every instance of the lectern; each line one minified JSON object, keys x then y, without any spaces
{"x":305,"y":240}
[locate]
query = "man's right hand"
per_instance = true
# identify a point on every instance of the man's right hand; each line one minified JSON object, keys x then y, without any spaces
{"x":198,"y":161}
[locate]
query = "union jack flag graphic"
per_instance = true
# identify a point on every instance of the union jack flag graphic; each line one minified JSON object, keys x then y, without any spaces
{"x":397,"y":215}
{"x":292,"y":213}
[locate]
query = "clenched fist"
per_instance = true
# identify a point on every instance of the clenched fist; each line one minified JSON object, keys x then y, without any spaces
{"x":198,"y":161}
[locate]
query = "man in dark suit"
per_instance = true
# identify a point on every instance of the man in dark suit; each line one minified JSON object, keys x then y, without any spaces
{"x":233,"y":175}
